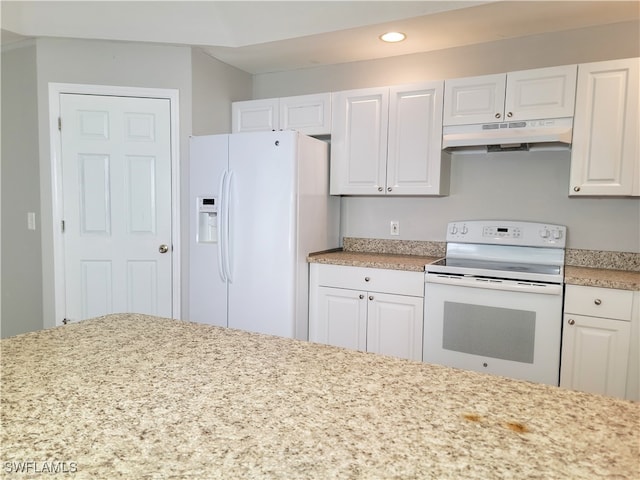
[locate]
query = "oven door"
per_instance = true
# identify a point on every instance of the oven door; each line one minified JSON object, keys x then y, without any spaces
{"x":502,"y":327}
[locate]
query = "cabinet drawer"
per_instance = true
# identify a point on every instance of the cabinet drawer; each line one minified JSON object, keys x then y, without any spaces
{"x":598,"y":302}
{"x":371,"y":279}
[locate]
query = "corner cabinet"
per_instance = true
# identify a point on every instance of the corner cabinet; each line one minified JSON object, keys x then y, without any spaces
{"x":605,"y":157}
{"x":596,"y":340}
{"x":388,"y":141}
{"x":525,"y":95}
{"x":308,"y":114}
{"x":368,"y":309}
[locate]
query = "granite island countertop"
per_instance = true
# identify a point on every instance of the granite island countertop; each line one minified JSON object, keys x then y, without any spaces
{"x":134,"y":396}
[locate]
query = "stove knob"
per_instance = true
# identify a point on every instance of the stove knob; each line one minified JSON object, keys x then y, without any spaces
{"x":465,"y":230}
{"x":544,"y":233}
{"x":557,"y":234}
{"x":453,"y":230}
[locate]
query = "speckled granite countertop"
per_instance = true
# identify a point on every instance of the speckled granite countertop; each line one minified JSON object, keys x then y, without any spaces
{"x":584,"y":267}
{"x":601,"y":277}
{"x":132,"y":396}
{"x":389,"y":261}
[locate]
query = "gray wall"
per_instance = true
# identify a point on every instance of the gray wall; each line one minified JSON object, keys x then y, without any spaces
{"x":523,"y":186}
{"x":21,"y":258}
{"x":27,"y":256}
{"x":215,"y":86}
{"x":104,"y":63}
{"x":620,"y":40}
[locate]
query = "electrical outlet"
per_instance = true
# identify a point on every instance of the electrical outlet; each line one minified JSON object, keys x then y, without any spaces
{"x":395,"y":227}
{"x":31,"y":220}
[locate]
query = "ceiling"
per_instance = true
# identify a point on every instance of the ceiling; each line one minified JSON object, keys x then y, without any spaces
{"x":268,"y":36}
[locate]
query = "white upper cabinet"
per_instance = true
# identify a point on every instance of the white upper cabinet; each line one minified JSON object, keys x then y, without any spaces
{"x":474,"y":99}
{"x":605,"y":158}
{"x":388,"y":141}
{"x":525,"y":95}
{"x":359,"y":141}
{"x":309,"y":114}
{"x":255,"y":115}
{"x":415,"y":164}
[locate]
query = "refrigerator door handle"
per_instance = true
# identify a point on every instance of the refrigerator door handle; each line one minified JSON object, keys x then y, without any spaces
{"x":221,"y":229}
{"x":227,"y":242}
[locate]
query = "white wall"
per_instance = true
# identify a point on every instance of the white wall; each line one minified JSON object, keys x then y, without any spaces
{"x":525,"y":186}
{"x":21,"y":258}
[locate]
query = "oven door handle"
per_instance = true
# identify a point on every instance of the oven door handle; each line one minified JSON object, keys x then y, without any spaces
{"x":494,"y":284}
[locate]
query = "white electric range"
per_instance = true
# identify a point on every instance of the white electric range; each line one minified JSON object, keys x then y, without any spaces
{"x":494,"y":303}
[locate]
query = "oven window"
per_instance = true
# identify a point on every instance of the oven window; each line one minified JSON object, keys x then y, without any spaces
{"x":494,"y":332}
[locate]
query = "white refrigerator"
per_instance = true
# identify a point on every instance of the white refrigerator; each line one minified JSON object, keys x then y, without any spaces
{"x":259,"y":204}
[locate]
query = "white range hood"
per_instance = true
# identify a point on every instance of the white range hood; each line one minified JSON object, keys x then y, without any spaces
{"x":545,"y":134}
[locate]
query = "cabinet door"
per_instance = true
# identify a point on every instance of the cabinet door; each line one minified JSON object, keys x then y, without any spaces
{"x":340,"y":318}
{"x":605,"y":159}
{"x":309,"y":114}
{"x":414,"y":159}
{"x":394,"y":325}
{"x":359,"y":141}
{"x":255,"y":115}
{"x":474,"y":99}
{"x":594,"y":355}
{"x":541,"y":93}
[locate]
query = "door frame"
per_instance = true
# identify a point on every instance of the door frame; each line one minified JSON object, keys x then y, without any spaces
{"x":55,"y":90}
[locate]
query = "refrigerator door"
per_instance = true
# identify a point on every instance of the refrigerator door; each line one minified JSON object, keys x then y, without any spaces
{"x":262,"y":232}
{"x":207,"y":288}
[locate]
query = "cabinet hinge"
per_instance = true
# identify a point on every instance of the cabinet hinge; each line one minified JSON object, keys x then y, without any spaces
{"x":60,"y":123}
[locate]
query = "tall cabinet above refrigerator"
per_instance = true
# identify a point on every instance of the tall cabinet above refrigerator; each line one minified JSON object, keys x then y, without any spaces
{"x":259,"y":205}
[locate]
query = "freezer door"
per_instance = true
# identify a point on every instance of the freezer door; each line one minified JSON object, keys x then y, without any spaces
{"x":262,"y":247}
{"x":208,"y":163}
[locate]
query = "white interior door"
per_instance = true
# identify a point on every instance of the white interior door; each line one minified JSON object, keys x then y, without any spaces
{"x":116,"y":193}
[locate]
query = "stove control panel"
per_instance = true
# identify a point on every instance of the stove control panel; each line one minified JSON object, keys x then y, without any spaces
{"x":501,"y":232}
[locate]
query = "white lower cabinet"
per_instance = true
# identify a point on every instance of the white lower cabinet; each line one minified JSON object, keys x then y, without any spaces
{"x":596,"y":340}
{"x":368,"y":309}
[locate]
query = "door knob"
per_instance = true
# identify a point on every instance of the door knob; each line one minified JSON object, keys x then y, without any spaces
{"x":163,"y":248}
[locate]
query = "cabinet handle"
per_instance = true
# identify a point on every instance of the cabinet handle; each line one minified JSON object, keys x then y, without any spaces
{"x":380,"y":189}
{"x":571,"y":321}
{"x":389,"y":189}
{"x":498,"y":115}
{"x":510,"y":114}
{"x":361,"y":296}
{"x":597,"y":301}
{"x":576,"y":189}
{"x":370,"y":297}
{"x":366,"y":279}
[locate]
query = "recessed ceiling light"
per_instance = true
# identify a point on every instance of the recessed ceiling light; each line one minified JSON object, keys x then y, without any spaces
{"x":392,"y":37}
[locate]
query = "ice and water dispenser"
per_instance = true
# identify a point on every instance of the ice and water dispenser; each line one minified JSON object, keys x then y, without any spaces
{"x":207,"y":220}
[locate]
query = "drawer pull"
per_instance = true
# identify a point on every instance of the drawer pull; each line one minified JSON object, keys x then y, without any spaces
{"x":366,"y":279}
{"x":571,"y":321}
{"x":597,"y":301}
{"x":370,"y":297}
{"x":361,"y":296}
